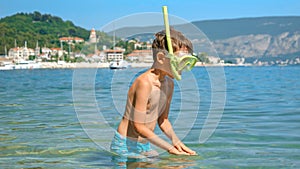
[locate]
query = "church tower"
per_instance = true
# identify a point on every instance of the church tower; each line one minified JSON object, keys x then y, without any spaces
{"x":93,"y":36}
{"x":37,"y":49}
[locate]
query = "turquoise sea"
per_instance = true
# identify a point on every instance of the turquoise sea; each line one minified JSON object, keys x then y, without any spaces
{"x":259,"y":128}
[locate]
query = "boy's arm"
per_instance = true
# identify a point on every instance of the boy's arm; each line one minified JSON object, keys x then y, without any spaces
{"x":166,"y":126}
{"x":139,"y":117}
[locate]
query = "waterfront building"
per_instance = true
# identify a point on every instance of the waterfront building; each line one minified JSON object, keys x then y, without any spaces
{"x":142,"y":45}
{"x":46,"y":50}
{"x":20,"y":53}
{"x":114,"y":54}
{"x":140,"y":56}
{"x":57,"y":51}
{"x":214,"y":60}
{"x":46,"y":53}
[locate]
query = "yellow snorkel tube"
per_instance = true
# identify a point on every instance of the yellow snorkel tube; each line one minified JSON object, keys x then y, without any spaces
{"x":186,"y":62}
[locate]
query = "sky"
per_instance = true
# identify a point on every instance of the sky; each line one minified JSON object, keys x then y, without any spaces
{"x":97,"y":13}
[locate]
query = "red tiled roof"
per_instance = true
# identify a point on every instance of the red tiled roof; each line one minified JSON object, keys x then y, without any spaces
{"x":140,"y":53}
{"x":55,"y":48}
{"x":77,"y":38}
{"x":65,"y":38}
{"x":70,"y":38}
{"x":15,"y":49}
{"x":112,"y":51}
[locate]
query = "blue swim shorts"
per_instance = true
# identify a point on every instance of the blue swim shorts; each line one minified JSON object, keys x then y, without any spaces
{"x":128,"y":148}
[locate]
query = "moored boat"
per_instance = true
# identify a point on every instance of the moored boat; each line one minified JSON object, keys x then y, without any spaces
{"x":122,"y":64}
{"x":7,"y":66}
{"x":26,"y":64}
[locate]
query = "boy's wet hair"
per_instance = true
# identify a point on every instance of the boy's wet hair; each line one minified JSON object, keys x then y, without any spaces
{"x":178,"y":41}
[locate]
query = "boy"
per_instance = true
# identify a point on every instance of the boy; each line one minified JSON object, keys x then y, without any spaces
{"x":148,"y":102}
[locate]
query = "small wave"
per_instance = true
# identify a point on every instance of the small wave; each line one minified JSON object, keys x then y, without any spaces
{"x":11,"y":105}
{"x":7,"y":138}
{"x":55,"y":151}
{"x":11,"y":147}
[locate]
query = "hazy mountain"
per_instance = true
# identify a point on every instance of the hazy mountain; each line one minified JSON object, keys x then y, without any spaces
{"x":245,"y":37}
{"x":254,"y":37}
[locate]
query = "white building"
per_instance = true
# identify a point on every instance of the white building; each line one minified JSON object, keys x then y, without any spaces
{"x":57,"y":51}
{"x":141,"y":56}
{"x":215,"y":60}
{"x":20,"y":53}
{"x":142,"y":45}
{"x":114,"y":54}
{"x":240,"y":61}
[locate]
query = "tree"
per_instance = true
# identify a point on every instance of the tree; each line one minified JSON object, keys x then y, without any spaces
{"x":46,"y":17}
{"x":72,"y":32}
{"x":31,"y":57}
{"x":45,"y":28}
{"x":37,"y":16}
{"x":203,"y":57}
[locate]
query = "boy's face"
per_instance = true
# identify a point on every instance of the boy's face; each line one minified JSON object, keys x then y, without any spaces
{"x":173,"y":65}
{"x":181,"y":60}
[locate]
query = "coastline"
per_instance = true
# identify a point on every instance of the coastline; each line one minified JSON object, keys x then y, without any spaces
{"x":55,"y":65}
{"x":81,"y":65}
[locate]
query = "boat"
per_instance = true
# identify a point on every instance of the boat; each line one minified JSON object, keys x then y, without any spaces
{"x":26,"y":64}
{"x":23,"y":64}
{"x":7,"y":66}
{"x":122,"y":64}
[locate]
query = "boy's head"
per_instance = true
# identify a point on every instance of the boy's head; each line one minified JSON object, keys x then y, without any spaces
{"x":181,"y":58}
{"x":179,"y":41}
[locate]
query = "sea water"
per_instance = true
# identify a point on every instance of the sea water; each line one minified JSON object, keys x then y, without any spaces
{"x":258,"y":127}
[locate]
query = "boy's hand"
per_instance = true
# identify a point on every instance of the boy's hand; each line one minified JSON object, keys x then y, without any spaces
{"x":182,"y":148}
{"x":176,"y":152}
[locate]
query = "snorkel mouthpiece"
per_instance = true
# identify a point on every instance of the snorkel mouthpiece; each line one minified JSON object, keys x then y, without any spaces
{"x":178,"y":64}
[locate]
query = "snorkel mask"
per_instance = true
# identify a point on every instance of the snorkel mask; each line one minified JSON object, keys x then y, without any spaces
{"x":182,"y":61}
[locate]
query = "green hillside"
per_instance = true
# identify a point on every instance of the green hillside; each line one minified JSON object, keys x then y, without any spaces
{"x":33,"y":27}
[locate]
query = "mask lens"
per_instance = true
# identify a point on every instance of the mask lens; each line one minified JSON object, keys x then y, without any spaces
{"x":187,"y":62}
{"x":182,"y":61}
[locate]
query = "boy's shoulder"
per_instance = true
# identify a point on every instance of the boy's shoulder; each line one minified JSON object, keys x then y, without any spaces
{"x":143,"y":80}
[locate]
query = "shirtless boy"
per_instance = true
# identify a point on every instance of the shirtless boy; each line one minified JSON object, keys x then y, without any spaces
{"x":148,"y":103}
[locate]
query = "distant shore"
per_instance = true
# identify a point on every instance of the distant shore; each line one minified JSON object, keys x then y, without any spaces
{"x":55,"y":65}
{"x":65,"y":65}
